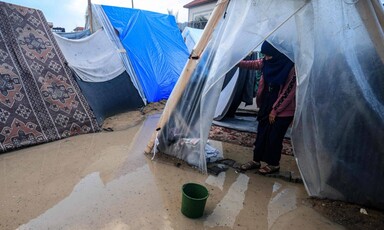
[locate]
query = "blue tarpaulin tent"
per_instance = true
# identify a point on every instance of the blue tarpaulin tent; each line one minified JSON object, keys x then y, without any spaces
{"x":154,"y":46}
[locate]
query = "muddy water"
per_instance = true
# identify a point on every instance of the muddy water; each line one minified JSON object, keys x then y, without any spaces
{"x":104,"y":181}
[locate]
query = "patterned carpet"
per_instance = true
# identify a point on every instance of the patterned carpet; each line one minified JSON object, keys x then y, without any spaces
{"x":39,"y":99}
{"x":242,"y":138}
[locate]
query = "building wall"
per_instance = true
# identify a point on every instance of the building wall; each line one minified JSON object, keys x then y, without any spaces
{"x":205,"y":10}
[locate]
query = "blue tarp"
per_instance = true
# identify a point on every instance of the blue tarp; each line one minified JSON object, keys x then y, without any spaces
{"x":75,"y":35}
{"x":154,"y":45}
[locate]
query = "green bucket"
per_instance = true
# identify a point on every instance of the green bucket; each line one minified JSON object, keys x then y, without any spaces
{"x":193,"y":201}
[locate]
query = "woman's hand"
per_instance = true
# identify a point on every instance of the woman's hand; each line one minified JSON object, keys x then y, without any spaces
{"x":271,"y":118}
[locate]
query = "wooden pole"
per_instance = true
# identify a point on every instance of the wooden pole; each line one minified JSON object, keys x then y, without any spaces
{"x":188,"y":69}
{"x":90,"y":16}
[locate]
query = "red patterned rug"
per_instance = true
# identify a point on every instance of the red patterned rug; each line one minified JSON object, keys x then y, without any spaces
{"x":39,"y":99}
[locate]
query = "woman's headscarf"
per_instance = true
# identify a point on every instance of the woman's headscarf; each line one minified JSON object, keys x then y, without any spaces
{"x":275,"y":70}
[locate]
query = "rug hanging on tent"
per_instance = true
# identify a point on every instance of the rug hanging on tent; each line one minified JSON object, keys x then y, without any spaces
{"x":39,"y":99}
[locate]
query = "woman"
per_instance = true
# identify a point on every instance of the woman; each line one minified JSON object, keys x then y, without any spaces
{"x":276,"y":100}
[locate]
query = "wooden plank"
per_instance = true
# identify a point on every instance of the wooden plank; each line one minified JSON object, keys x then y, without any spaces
{"x":90,"y":16}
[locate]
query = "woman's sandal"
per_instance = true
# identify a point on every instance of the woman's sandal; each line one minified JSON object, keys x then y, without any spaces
{"x":250,"y":165}
{"x":268,"y":169}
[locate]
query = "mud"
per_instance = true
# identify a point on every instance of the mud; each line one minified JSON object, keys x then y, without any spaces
{"x":104,"y":181}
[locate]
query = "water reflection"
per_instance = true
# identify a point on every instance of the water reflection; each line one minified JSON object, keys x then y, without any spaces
{"x":229,"y":207}
{"x":94,"y":205}
{"x":217,"y":181}
{"x":283,"y":200}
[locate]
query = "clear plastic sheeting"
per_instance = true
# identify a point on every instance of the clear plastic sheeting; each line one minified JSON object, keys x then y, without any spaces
{"x":338,"y":130}
{"x":245,"y":26}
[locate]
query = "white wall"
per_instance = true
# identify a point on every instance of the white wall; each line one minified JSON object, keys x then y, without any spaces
{"x":204,"y":10}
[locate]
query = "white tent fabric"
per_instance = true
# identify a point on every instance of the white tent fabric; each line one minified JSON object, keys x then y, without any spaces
{"x":337,"y":47}
{"x":100,"y":20}
{"x":98,"y":64}
{"x":191,"y":36}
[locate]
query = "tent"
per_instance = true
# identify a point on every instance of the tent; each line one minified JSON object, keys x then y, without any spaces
{"x":337,"y":47}
{"x":154,"y":51}
{"x":118,"y":72}
{"x":39,"y":100}
{"x":238,"y":92}
{"x":101,"y":74}
{"x":74,"y":35}
{"x":239,"y":86}
{"x":191,"y":36}
{"x":235,"y":89}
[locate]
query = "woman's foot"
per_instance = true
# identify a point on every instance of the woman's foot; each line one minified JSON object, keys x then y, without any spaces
{"x":268,"y":169}
{"x":250,"y":165}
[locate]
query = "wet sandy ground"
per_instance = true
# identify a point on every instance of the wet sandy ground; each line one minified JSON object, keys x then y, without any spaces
{"x":104,"y":181}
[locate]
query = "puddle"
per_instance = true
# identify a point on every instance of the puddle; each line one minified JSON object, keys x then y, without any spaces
{"x":104,"y":181}
{"x":227,"y":210}
{"x":283,"y":200}
{"x":217,"y":181}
